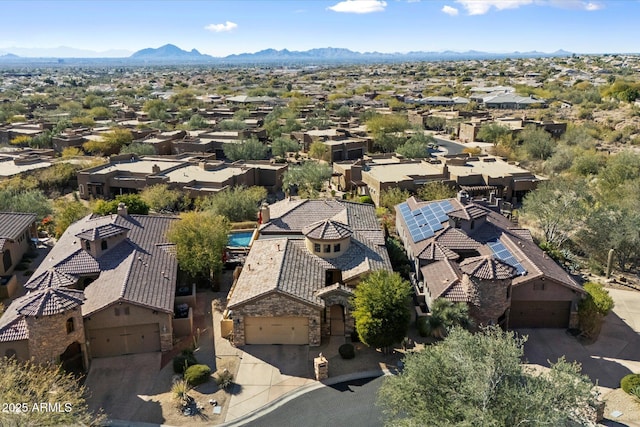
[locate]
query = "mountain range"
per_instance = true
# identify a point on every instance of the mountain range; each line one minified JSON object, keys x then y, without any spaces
{"x":171,"y":54}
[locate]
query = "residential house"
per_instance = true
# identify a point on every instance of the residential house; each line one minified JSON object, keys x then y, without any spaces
{"x":107,"y":288}
{"x":16,"y":232}
{"x":300,"y":273}
{"x":464,"y":251}
{"x":196,"y":175}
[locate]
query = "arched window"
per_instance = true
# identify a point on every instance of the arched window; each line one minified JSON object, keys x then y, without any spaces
{"x":70,"y":325}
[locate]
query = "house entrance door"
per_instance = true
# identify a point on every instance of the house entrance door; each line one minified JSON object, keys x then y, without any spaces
{"x":336,"y":319}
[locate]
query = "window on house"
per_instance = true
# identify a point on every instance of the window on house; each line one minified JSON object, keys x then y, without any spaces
{"x":126,"y":311}
{"x":103,"y":245}
{"x":508,"y":292}
{"x":336,"y":247}
{"x":116,"y":311}
{"x":316,"y":247}
{"x":70,"y":326}
{"x":87,"y":245}
{"x":473,"y":224}
{"x":81,"y":189}
{"x":327,"y":249}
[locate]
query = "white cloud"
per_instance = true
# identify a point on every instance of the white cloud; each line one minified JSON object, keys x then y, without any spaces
{"x":452,"y":11}
{"x":220,"y":28}
{"x":359,"y":6}
{"x":480,"y":7}
{"x":592,"y":6}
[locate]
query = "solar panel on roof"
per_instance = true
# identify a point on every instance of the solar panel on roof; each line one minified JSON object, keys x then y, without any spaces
{"x":423,"y":222}
{"x":502,"y":253}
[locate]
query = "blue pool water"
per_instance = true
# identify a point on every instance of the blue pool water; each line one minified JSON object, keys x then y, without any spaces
{"x":240,"y":238}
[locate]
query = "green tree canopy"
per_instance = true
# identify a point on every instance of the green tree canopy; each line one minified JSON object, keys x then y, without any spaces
{"x":32,"y":384}
{"x":282,"y":145}
{"x":436,"y":190}
{"x":445,"y":315}
{"x":309,"y":178}
{"x":537,"y":142}
{"x":249,"y":149}
{"x":492,"y":132}
{"x":110,"y":142}
{"x":380,"y":309}
{"x":236,"y":204}
{"x":479,"y":380}
{"x":393,"y":196}
{"x":66,"y":212}
{"x":139,"y":149}
{"x":319,"y":151}
{"x":29,"y":201}
{"x":558,"y":207}
{"x":201,"y":239}
{"x":134,"y":203}
{"x":160,"y":198}
{"x":388,"y":130}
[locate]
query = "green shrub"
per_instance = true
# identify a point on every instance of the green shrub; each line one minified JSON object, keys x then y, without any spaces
{"x":197,"y":374}
{"x":424,"y":327}
{"x":347,"y":351}
{"x":182,"y":361}
{"x":365,"y":199}
{"x":630,"y":383}
{"x":224,"y":379}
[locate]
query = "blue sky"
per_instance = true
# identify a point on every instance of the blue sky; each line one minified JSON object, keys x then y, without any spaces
{"x":221,"y":28}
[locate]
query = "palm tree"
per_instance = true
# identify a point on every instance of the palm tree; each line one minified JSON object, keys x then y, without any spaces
{"x":444,"y":316}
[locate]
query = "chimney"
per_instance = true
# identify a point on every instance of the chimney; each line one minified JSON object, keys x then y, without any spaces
{"x":265,"y":213}
{"x":155,"y":169}
{"x":463,"y":197}
{"x":122,"y":209}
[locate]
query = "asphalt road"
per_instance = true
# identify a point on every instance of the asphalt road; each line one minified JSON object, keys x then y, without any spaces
{"x":350,"y":403}
{"x":450,"y":146}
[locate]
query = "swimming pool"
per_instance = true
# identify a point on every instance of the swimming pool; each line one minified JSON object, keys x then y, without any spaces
{"x":240,"y":239}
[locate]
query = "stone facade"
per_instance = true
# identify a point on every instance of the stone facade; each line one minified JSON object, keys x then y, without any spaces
{"x":349,"y":322}
{"x":48,"y":336}
{"x":277,"y":305}
{"x":488,"y":299}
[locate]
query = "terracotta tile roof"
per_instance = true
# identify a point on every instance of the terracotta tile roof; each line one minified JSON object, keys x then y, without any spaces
{"x":487,"y":268}
{"x":469,"y":212}
{"x":327,"y":229}
{"x":456,"y":240}
{"x":50,"y":279}
{"x":440,"y":277}
{"x":49,"y":301}
{"x":434,"y":251}
{"x":13,"y":224}
{"x":13,"y":327}
{"x":2,"y":243}
{"x":79,"y":263}
{"x":336,"y":288}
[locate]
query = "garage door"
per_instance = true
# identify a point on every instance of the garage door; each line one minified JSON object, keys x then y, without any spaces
{"x":539,"y":314}
{"x":124,"y":340}
{"x":276,"y":330}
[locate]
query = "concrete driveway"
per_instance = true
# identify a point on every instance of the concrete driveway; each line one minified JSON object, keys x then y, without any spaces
{"x":615,"y":354}
{"x":116,"y":384}
{"x":267,"y":372}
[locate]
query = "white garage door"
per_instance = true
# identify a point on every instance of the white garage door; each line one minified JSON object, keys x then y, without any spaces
{"x":276,"y":330}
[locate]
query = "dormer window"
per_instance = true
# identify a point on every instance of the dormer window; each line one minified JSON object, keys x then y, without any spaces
{"x":336,"y":247}
{"x":87,"y":245}
{"x":316,"y":247}
{"x":327,"y":249}
{"x":103,"y":245}
{"x":69,"y":325}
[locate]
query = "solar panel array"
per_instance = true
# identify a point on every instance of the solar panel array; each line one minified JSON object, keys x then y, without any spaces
{"x":423,"y":222}
{"x":502,"y":253}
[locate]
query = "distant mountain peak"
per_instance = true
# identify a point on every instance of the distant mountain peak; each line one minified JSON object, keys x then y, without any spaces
{"x":167,"y":52}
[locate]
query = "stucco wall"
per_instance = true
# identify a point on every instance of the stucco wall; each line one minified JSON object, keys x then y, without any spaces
{"x":20,"y":347}
{"x":552,"y":291}
{"x":107,"y":318}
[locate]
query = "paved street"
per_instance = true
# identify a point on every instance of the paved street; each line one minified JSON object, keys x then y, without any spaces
{"x":350,"y":403}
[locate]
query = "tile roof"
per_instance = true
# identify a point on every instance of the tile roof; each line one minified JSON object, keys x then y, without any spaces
{"x":149,"y":281}
{"x":2,"y":243}
{"x":101,"y":232}
{"x":468,"y":212}
{"x":49,"y":301}
{"x":51,"y":278}
{"x":456,"y":240}
{"x":435,"y":251}
{"x":13,"y":326}
{"x":13,"y":224}
{"x":487,"y":268}
{"x":440,"y":277}
{"x":280,"y":262}
{"x":327,"y":229}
